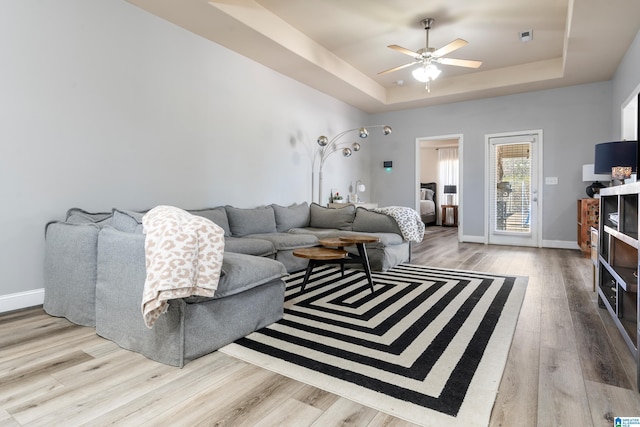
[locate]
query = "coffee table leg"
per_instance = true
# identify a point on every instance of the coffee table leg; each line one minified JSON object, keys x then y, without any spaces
{"x":365,"y":263}
{"x":310,"y":266}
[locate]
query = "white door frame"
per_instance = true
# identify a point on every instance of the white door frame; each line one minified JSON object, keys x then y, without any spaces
{"x":487,"y":181}
{"x":460,"y":189}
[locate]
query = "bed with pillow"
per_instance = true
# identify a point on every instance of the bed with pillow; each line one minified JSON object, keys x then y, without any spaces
{"x":428,"y":212}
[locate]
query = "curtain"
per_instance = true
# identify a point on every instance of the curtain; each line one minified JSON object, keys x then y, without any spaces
{"x":447,"y":175}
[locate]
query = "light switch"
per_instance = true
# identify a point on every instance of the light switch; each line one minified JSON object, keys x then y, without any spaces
{"x":551,"y":180}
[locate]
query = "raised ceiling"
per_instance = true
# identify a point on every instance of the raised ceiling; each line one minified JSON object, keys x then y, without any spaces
{"x":340,"y":46}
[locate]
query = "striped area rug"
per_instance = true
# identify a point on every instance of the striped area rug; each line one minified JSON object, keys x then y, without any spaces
{"x":428,"y":346}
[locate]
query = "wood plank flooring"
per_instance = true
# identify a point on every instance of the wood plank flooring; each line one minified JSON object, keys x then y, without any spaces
{"x":567,"y":365}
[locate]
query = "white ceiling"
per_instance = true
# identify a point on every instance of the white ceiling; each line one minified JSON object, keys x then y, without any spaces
{"x":340,"y":46}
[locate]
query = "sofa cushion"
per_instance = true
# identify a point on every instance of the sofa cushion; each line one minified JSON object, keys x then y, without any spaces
{"x":296,"y":215}
{"x":79,"y":216}
{"x":251,"y":221}
{"x":217,"y":215}
{"x":247,"y":246}
{"x":374,"y":222}
{"x":287,"y":241}
{"x":127,"y":221}
{"x":341,"y":218}
{"x":242,"y":272}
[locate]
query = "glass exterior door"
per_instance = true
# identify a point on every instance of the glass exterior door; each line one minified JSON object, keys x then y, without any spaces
{"x":513,"y":190}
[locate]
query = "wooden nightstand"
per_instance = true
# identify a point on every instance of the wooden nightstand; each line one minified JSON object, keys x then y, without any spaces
{"x":446,"y":223}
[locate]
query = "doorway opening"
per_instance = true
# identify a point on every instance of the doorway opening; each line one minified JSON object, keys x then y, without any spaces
{"x":439,"y":161}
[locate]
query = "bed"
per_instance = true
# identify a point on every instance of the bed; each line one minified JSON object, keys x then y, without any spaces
{"x":428,"y":194}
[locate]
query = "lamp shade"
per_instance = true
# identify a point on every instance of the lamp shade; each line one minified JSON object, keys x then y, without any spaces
{"x":618,"y":153}
{"x":450,"y":189}
{"x":588,"y":175}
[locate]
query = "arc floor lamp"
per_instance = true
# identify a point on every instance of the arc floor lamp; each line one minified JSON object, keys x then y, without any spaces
{"x":329,"y":146}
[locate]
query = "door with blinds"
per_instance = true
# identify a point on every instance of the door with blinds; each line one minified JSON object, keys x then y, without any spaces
{"x":513,"y":189}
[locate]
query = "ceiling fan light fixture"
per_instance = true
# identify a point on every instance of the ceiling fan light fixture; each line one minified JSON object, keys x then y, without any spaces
{"x":426,"y":74}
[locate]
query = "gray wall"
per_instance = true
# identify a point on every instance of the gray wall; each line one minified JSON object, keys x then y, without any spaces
{"x":104,"y":105}
{"x":573,"y":120}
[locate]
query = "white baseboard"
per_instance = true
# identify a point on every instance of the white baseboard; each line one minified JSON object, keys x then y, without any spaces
{"x":20,"y":300}
{"x":560,"y":244}
{"x":554,"y":244}
{"x":473,"y":239}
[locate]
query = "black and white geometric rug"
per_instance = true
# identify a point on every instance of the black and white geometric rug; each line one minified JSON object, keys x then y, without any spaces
{"x":429,"y":346}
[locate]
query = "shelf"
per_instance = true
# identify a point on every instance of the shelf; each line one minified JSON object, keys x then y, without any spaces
{"x":624,"y":276}
{"x":629,"y":240}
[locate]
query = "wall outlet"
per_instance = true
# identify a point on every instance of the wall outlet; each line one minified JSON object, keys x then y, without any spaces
{"x":551,"y":180}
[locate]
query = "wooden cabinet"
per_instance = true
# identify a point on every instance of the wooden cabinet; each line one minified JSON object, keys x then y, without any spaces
{"x":618,"y":262}
{"x":588,"y":216}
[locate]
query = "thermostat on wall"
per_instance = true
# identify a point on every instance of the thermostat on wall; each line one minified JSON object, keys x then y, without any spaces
{"x":387,"y":164}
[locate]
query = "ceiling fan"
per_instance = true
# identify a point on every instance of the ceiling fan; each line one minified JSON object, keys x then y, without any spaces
{"x":429,"y":56}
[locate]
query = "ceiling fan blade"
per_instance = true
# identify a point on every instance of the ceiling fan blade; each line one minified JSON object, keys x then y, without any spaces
{"x":460,"y":62}
{"x":404,"y":50}
{"x":448,"y":48}
{"x":396,"y":68}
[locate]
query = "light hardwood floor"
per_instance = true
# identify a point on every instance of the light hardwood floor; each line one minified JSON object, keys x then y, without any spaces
{"x":567,"y":366}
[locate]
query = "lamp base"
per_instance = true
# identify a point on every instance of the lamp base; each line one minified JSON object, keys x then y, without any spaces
{"x":594,"y":188}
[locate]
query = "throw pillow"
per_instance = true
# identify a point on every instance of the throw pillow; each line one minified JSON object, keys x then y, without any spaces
{"x":341,"y":218}
{"x":428,"y":194}
{"x":243,"y":222}
{"x":294,"y":216}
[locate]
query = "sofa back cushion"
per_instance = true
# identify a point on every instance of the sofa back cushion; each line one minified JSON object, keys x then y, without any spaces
{"x":127,"y":221}
{"x":373,"y":222}
{"x":251,"y":221}
{"x":294,"y":216}
{"x":341,"y":218}
{"x":217,"y":215}
{"x":79,"y":216}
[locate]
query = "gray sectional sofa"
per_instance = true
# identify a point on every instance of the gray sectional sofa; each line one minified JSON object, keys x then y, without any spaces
{"x":95,"y":273}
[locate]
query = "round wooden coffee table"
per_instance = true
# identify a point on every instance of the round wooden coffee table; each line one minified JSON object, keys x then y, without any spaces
{"x":360,"y":241}
{"x":319,"y":256}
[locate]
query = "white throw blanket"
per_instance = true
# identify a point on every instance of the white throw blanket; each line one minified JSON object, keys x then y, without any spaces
{"x":408,"y":220}
{"x":183,"y":258}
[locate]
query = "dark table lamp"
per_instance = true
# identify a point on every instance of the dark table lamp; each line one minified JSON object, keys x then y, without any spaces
{"x":450,"y":190}
{"x":617,"y":158}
